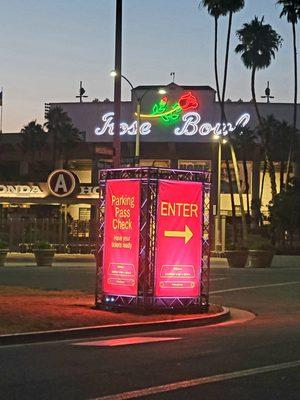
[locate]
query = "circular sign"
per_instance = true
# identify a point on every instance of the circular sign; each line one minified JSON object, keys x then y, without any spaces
{"x":61,"y":183}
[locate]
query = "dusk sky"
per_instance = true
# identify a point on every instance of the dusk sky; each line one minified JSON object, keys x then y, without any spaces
{"x":48,"y":46}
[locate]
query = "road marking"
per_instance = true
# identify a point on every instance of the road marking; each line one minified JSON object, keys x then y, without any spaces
{"x":126,"y":341}
{"x":217,"y":279}
{"x":255,"y":287}
{"x":199,"y":381}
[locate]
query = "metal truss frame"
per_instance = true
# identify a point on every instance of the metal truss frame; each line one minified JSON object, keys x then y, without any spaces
{"x":145,"y":299}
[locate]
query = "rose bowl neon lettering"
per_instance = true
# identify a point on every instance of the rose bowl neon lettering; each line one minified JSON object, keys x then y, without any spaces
{"x":191,"y":126}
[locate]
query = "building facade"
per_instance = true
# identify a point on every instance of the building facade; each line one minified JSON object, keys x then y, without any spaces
{"x":178,"y":129}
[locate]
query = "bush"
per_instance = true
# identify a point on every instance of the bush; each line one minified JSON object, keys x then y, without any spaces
{"x":236,"y":246}
{"x":42,"y":245}
{"x":262,"y":245}
{"x":284,"y":215}
{"x":3,"y":245}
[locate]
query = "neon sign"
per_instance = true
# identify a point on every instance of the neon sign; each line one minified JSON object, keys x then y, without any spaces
{"x":190,"y":126}
{"x":171,"y":114}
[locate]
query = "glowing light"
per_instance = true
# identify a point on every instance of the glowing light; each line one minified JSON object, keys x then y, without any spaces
{"x":160,"y":110}
{"x":162,"y":91}
{"x":113,"y":73}
{"x":191,"y":126}
{"x":188,"y":102}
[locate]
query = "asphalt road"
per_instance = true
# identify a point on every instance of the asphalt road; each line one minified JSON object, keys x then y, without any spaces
{"x":247,"y":358}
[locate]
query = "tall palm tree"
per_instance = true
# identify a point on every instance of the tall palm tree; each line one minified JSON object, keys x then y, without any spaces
{"x":291,"y":9}
{"x":230,"y":7}
{"x":216,"y":9}
{"x":64,"y":135}
{"x":258,"y":45}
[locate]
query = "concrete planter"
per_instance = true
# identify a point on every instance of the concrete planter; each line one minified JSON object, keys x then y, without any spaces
{"x":236,"y":258}
{"x":260,"y":258}
{"x":3,"y":256}
{"x":44,"y":257}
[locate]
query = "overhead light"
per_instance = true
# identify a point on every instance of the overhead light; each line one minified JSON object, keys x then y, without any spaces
{"x":162,"y":91}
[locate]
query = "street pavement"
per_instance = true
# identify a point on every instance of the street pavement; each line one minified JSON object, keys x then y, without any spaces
{"x":251,"y":357}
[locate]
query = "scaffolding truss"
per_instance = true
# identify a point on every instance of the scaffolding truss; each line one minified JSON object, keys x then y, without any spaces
{"x":145,"y":299}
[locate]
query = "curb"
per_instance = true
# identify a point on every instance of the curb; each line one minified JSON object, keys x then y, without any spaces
{"x":115,"y":329}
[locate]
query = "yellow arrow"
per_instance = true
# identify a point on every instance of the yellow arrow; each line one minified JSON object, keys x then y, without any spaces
{"x":187,"y":234}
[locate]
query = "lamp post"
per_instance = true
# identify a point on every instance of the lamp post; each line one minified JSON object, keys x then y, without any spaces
{"x":218,"y":241}
{"x":138,"y":113}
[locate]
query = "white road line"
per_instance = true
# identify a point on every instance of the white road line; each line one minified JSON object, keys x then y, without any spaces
{"x":255,"y":287}
{"x":126,"y":341}
{"x":217,"y":279}
{"x":199,"y":381}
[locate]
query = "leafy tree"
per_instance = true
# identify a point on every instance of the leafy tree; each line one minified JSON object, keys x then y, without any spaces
{"x":291,"y":10}
{"x":34,"y":140}
{"x":274,"y":136}
{"x":243,"y":139}
{"x":284,"y":214}
{"x":258,"y":45}
{"x":63,"y":134}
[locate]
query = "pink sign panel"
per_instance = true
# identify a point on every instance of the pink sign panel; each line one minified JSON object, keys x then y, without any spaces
{"x":121,"y":237}
{"x":178,"y":239}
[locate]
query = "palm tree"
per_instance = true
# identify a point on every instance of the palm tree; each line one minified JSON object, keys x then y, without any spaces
{"x":64,"y":134}
{"x":230,"y":7}
{"x":291,"y":9}
{"x":258,"y":45}
{"x":216,"y":10}
{"x":34,"y":139}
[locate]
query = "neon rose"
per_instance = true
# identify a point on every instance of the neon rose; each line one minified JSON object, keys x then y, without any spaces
{"x":188,"y":102}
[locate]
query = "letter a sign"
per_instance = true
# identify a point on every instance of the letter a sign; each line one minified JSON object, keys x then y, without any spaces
{"x":178,"y":239}
{"x":61,"y":183}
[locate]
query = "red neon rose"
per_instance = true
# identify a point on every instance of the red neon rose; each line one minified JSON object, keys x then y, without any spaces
{"x":188,"y":101}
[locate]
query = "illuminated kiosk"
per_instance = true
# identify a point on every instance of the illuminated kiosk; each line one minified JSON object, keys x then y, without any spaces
{"x":153,"y":249}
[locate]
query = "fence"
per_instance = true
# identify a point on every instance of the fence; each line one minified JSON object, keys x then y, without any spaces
{"x":67,"y":236}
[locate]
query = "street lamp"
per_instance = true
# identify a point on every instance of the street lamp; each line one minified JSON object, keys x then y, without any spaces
{"x":218,"y":243}
{"x":138,"y":112}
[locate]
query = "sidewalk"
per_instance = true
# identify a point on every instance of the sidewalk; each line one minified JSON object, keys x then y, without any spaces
{"x":77,"y":260}
{"x":88,"y":260}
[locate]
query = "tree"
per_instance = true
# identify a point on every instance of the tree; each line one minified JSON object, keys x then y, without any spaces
{"x":258,"y":45}
{"x":274,"y":137}
{"x":63,"y":133}
{"x":229,"y":7}
{"x":217,"y":8}
{"x":291,"y":10}
{"x":284,"y":214}
{"x":34,"y":140}
{"x":243,"y":139}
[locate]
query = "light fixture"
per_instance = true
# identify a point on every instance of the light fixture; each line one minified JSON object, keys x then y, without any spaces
{"x":162,"y":91}
{"x":224,"y":141}
{"x":113,"y":73}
